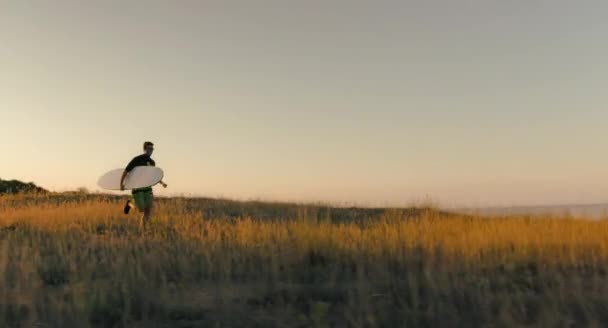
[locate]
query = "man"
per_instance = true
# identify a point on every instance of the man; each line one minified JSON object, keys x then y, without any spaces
{"x":143,"y":198}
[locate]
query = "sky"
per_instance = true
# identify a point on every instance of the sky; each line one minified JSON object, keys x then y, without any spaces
{"x":461,"y":103}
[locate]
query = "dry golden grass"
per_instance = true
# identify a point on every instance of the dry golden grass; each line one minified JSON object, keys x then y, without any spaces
{"x":76,"y":260}
{"x":461,"y":238}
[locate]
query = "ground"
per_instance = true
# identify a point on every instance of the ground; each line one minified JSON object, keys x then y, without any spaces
{"x":74,"y":260}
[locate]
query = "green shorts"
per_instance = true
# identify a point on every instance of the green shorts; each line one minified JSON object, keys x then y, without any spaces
{"x":143,"y":198}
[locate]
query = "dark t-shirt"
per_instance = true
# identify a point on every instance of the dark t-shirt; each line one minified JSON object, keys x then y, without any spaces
{"x":141,"y":160}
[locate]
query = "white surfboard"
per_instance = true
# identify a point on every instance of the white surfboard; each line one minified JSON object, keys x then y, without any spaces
{"x":139,"y":177}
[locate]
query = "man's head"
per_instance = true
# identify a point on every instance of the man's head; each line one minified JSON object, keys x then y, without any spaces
{"x":148,"y":148}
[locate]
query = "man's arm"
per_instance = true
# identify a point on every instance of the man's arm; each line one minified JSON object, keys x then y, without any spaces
{"x":128,"y":169}
{"x":162,"y":183}
{"x":122,"y":180}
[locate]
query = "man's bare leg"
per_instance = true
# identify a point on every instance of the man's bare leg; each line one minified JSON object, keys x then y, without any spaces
{"x":146,"y":217}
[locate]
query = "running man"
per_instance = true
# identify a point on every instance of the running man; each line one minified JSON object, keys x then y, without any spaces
{"x":143,"y":198}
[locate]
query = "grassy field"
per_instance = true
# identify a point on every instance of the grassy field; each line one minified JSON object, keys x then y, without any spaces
{"x":77,"y":261}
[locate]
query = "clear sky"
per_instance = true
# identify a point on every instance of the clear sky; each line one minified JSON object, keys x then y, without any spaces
{"x":466,"y":103}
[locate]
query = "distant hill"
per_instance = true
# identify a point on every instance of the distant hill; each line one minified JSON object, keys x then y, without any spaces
{"x":16,"y":186}
{"x":592,"y":211}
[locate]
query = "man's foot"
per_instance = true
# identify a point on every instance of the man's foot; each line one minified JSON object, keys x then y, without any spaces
{"x":127,"y":207}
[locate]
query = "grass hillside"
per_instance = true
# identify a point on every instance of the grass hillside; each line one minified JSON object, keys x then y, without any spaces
{"x":77,"y":261}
